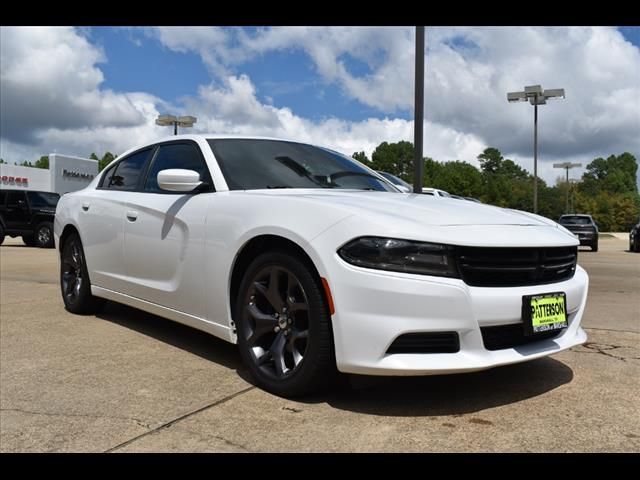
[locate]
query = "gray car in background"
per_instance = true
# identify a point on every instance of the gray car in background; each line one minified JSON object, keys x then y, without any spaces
{"x":584,"y":227}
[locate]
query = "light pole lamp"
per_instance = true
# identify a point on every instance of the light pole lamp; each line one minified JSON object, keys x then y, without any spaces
{"x":536,"y":96}
{"x":567,"y":166}
{"x":168,"y":120}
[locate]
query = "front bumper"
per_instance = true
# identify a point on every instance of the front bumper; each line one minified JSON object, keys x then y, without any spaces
{"x":373,"y":308}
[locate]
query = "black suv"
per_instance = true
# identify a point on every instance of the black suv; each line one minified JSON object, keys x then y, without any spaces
{"x":584,"y":227}
{"x":28,"y":214}
{"x":634,"y":238}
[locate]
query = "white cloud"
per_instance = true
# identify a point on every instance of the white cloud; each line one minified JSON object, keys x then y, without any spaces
{"x":52,"y":95}
{"x":234,"y":108}
{"x":52,"y":98}
{"x":468,"y":72}
{"x":49,"y":79}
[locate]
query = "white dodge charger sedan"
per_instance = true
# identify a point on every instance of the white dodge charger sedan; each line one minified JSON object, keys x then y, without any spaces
{"x":313,"y":263}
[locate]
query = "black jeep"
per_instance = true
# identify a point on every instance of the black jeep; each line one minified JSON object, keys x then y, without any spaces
{"x":28,"y":214}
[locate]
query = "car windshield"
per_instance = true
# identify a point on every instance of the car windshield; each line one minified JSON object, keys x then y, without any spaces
{"x":251,"y":164}
{"x":395,"y":180}
{"x":43,"y":199}
{"x":575,"y":220}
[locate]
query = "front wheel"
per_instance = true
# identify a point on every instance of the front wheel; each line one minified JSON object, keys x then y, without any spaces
{"x":594,"y":247}
{"x":74,"y":279}
{"x":283,"y":326}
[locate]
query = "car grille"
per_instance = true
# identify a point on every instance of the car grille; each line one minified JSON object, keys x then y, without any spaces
{"x":510,"y":336}
{"x":511,"y":267}
{"x":436,"y":342}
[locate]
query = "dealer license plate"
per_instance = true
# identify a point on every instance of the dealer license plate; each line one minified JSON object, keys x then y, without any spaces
{"x":544,"y":312}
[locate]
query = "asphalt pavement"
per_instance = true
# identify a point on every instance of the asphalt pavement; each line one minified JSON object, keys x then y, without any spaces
{"x":128,"y":381}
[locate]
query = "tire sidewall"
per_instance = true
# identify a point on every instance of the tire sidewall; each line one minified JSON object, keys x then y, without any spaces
{"x":85,"y":290}
{"x":318,"y":314}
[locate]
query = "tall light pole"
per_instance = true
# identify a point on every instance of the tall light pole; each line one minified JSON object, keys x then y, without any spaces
{"x":418,"y":120}
{"x":168,"y":120}
{"x":567,"y":166}
{"x":572,"y":183}
{"x":536,"y":96}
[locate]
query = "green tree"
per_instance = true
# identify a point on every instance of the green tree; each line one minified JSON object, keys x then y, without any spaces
{"x":395,"y":158}
{"x":43,"y":162}
{"x":107,"y":158}
{"x":459,"y":178}
{"x":93,"y":156}
{"x":490,"y":160}
{"x":361,"y":157}
{"x":616,"y":174}
{"x":25,"y":163}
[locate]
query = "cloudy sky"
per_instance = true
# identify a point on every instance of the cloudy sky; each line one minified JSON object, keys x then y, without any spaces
{"x":83,"y":90}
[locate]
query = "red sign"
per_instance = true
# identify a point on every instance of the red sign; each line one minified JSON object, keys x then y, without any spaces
{"x":19,"y":180}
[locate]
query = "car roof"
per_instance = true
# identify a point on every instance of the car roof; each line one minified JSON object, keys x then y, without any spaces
{"x":205,"y":137}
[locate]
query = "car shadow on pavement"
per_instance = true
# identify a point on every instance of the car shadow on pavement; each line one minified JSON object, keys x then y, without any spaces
{"x":438,"y":395}
{"x":442,"y":395}
{"x":181,"y":336}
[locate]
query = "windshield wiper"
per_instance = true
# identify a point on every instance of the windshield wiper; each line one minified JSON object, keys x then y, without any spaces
{"x":297,"y":168}
{"x":278,"y":186}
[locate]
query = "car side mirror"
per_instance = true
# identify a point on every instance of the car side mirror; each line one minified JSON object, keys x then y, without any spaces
{"x":178,"y":180}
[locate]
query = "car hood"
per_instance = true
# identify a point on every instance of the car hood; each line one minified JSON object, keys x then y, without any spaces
{"x":425,"y":209}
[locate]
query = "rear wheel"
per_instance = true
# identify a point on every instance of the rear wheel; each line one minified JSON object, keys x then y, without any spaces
{"x":43,"y":235}
{"x":594,"y":246}
{"x":74,"y":279}
{"x":283,"y":326}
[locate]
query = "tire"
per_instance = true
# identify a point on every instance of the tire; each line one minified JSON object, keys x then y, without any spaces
{"x":43,"y":235}
{"x":290,"y":354}
{"x":75,"y":285}
{"x":28,"y":240}
{"x":594,"y":247}
{"x":1,"y":234}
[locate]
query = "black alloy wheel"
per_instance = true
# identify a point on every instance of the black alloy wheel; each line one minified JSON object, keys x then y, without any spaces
{"x":276,"y":313}
{"x":283,"y":326}
{"x":74,"y":279}
{"x":43,"y":235}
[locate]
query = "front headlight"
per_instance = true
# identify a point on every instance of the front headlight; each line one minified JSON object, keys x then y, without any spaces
{"x":401,"y":256}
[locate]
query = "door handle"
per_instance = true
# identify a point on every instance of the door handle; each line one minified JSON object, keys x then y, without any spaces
{"x":85,"y":206}
{"x":132,"y":215}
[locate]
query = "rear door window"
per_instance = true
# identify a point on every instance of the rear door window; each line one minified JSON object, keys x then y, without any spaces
{"x":15,"y":198}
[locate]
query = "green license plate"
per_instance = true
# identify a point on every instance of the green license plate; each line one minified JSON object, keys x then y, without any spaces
{"x":544,"y":312}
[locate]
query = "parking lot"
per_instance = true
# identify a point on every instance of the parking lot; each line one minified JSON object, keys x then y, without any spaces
{"x":128,"y":381}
